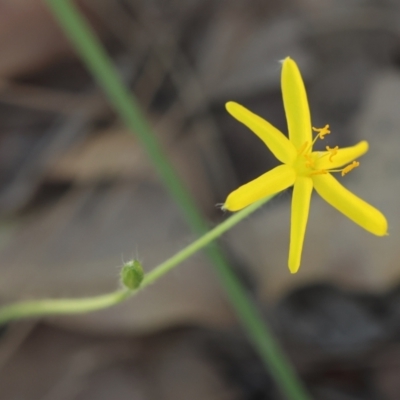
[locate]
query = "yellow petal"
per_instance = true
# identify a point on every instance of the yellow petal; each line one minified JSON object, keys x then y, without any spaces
{"x":271,"y":182}
{"x":296,"y":104}
{"x":275,"y":140}
{"x":343,"y":156}
{"x":300,"y":207}
{"x":350,"y":205}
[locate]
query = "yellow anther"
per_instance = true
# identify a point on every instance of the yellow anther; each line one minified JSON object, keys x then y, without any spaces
{"x":332,"y":152}
{"x":322,"y":131}
{"x":303,"y":147}
{"x":350,"y":167}
{"x":310,"y":163}
{"x":319,"y":172}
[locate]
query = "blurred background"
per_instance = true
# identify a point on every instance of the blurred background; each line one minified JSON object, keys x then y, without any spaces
{"x":78,"y":196}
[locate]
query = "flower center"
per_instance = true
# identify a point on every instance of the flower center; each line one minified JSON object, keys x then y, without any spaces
{"x":306,"y":161}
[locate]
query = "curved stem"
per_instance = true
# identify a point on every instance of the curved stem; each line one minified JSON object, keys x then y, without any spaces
{"x":40,"y":308}
{"x":201,"y":242}
{"x":37,"y":308}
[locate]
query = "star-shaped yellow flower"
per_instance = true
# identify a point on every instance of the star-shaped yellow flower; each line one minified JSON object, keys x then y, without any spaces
{"x":302,"y":167}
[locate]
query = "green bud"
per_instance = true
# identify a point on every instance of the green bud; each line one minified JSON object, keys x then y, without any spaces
{"x":132,"y":274}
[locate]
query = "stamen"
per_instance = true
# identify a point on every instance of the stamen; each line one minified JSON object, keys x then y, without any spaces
{"x":322,"y":131}
{"x":302,"y":148}
{"x":350,"y":167}
{"x":310,"y":162}
{"x":319,"y":172}
{"x":346,"y":169}
{"x":332,"y":152}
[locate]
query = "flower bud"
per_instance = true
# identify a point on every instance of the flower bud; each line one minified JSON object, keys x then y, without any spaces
{"x":132,"y":274}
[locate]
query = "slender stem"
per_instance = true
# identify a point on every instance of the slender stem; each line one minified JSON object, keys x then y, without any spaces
{"x":78,"y":306}
{"x":201,"y":242}
{"x":100,"y":65}
{"x":40,"y":308}
{"x":266,"y":345}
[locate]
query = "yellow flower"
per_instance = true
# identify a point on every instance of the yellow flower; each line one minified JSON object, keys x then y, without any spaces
{"x":302,"y":167}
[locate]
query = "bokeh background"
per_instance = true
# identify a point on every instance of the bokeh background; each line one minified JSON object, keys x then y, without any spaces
{"x":78,"y":196}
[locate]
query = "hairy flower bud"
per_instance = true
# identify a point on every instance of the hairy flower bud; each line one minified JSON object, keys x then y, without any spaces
{"x":132,"y":274}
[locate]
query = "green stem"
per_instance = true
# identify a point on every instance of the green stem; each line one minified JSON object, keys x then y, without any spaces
{"x":101,"y":67}
{"x":201,"y":242}
{"x":261,"y":336}
{"x":40,"y":308}
{"x":79,"y":306}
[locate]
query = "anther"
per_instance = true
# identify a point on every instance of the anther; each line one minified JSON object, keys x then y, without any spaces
{"x":310,"y":162}
{"x":319,"y":172}
{"x":322,"y":131}
{"x":332,"y":152}
{"x":303,"y":147}
{"x":350,"y":167}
